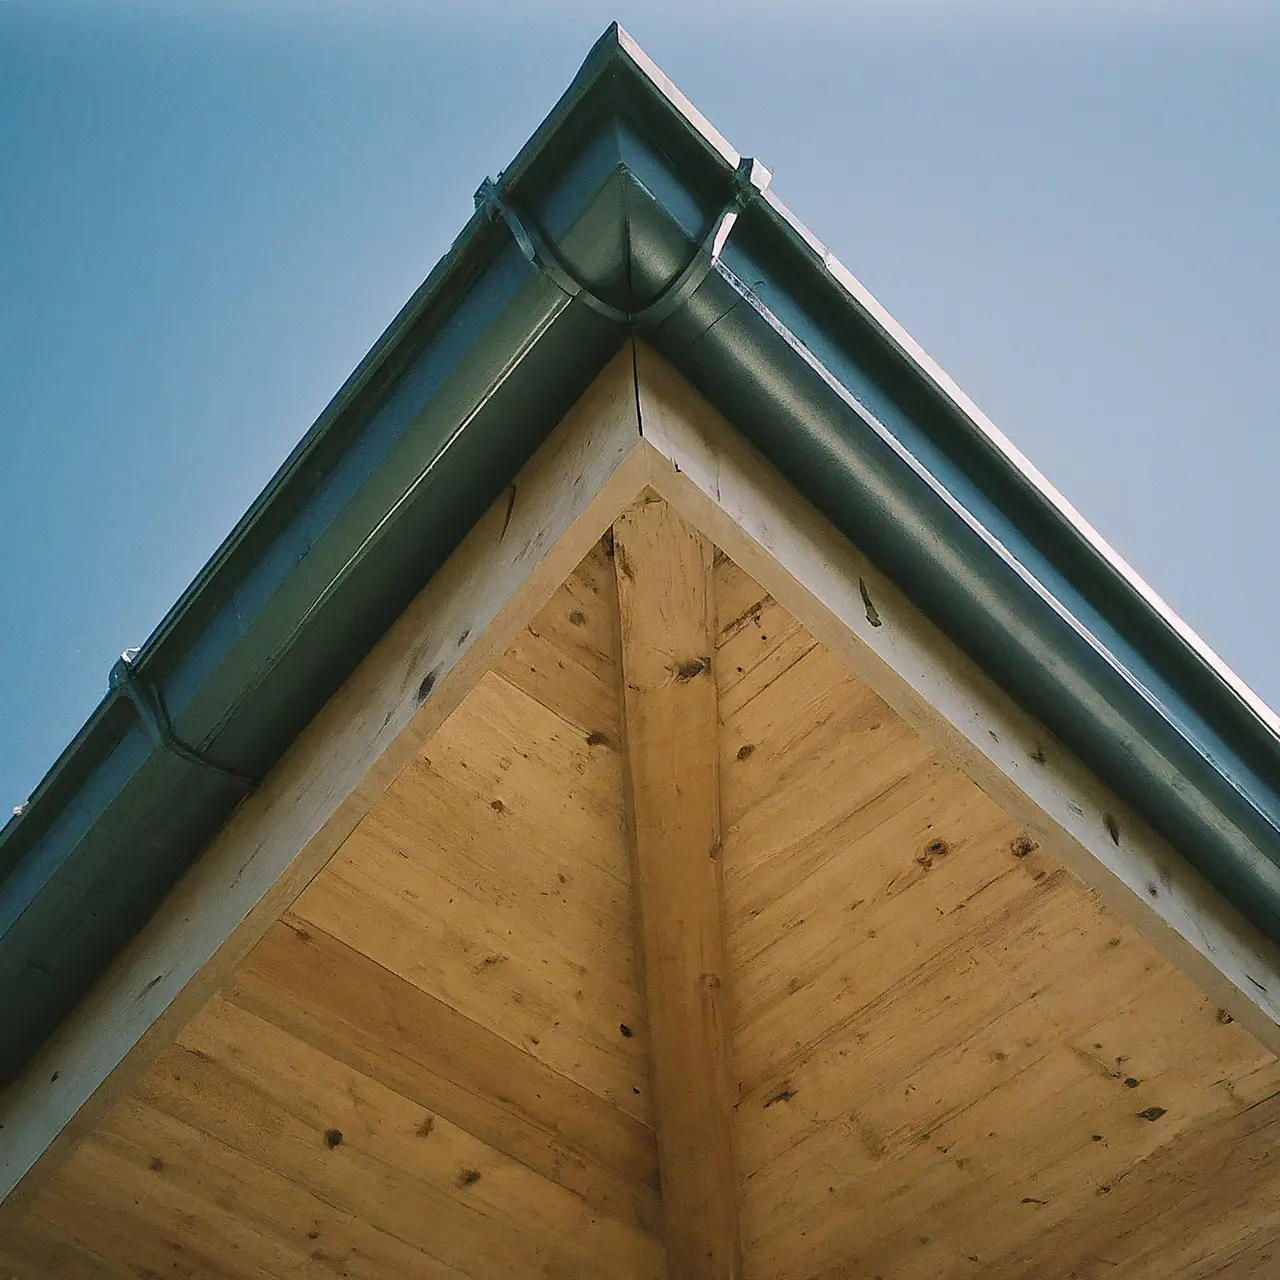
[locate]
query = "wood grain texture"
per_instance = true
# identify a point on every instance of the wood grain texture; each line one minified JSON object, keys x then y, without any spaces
{"x":338,"y":1002}
{"x":669,"y":705}
{"x":420,"y":1070}
{"x":495,"y":876}
{"x":567,"y":657}
{"x":502,"y":574}
{"x":945,"y":1055}
{"x":33,"y":1250}
{"x":952,"y":1058}
{"x":721,"y":485}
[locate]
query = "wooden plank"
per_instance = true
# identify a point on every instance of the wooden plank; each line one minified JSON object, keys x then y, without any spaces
{"x":831,"y":961}
{"x":228,"y":1120}
{"x":964,"y":1109}
{"x":503,"y":573}
{"x":495,"y":875}
{"x":757,"y":640}
{"x":932,"y":1020}
{"x":671,"y":750}
{"x":820,"y":723}
{"x":1213,"y":1189}
{"x":567,"y":657}
{"x":329,"y":996}
{"x":989,"y":1142}
{"x":34,"y":1250}
{"x":180,"y":1158}
{"x":722,"y":486}
{"x":107,"y":1203}
{"x":501,"y":1195}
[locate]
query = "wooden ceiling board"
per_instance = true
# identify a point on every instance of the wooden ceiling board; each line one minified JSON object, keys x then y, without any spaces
{"x":945,"y":1045}
{"x":402,"y":1168}
{"x":33,"y":1250}
{"x":331,"y":997}
{"x":530,"y":916}
{"x":506,"y":568}
{"x":436,"y":1063}
{"x":576,"y":635}
{"x":898,"y":1037}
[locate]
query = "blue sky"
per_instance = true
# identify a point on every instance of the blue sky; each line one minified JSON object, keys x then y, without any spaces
{"x":209,"y":211}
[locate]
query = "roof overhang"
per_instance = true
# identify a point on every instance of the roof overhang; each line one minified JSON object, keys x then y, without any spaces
{"x":639,"y":433}
{"x":625,"y":188}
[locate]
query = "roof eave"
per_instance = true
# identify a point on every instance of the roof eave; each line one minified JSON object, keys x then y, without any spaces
{"x":625,"y":178}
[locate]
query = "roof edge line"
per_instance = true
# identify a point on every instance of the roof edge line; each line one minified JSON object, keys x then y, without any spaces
{"x":986,"y":430}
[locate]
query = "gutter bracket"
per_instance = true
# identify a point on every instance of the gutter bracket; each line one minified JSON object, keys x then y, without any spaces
{"x":155,"y":719}
{"x":750,"y":179}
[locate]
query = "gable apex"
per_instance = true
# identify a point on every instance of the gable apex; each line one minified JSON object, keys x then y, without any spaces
{"x":726,"y":667}
{"x":647,"y":219}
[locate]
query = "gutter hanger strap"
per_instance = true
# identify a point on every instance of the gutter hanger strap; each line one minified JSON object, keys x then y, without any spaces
{"x":749,"y":180}
{"x":155,"y":718}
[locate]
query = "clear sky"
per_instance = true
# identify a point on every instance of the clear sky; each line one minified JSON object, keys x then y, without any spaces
{"x":209,"y":211}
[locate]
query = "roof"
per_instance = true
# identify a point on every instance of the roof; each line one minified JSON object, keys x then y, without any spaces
{"x":626,"y":211}
{"x":481,"y":1043}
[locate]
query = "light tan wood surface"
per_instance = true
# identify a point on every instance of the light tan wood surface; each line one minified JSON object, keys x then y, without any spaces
{"x":505,"y":570}
{"x":678,"y":941}
{"x":713,"y":476}
{"x":420,"y":1070}
{"x":667,"y":610}
{"x":953,"y":1058}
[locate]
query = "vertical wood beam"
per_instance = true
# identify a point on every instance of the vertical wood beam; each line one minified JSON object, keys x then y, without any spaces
{"x":665,"y":602}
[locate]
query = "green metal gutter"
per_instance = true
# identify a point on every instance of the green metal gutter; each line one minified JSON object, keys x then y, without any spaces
{"x":622,"y":191}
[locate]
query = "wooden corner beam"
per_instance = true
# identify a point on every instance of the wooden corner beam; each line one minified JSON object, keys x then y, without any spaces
{"x":665,"y":602}
{"x":717,"y":481}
